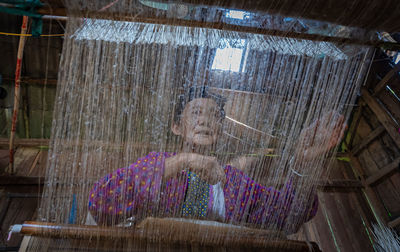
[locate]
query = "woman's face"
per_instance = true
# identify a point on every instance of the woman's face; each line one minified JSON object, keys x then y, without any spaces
{"x":200,"y":122}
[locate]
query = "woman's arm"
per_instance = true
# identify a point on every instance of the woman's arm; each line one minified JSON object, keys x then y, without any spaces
{"x":246,"y":162}
{"x":264,"y":207}
{"x":129,"y":191}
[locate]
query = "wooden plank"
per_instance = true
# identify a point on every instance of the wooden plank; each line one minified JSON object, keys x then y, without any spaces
{"x":355,"y":163}
{"x":374,"y":134}
{"x":319,"y":227}
{"x":35,"y":162}
{"x":24,"y":243}
{"x":385,"y":192}
{"x":20,"y":210}
{"x":20,"y":180}
{"x":23,"y":159}
{"x":382,"y":83}
{"x":355,"y":121}
{"x":385,"y":171}
{"x":351,"y":213}
{"x":40,"y":169}
{"x":4,"y":159}
{"x":335,"y":222}
{"x":382,"y":116}
{"x":356,"y":210}
{"x":391,"y":103}
{"x":4,"y":207}
{"x":369,"y":193}
{"x":356,"y":201}
{"x":394,"y":223}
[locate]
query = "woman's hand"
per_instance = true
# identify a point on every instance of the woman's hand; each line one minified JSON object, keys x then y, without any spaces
{"x":206,"y":167}
{"x":321,"y":136}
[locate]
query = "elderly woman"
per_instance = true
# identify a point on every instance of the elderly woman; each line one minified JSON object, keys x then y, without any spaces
{"x":192,"y":183}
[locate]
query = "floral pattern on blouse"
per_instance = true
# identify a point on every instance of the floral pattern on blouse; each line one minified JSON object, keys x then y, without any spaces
{"x":138,"y":190}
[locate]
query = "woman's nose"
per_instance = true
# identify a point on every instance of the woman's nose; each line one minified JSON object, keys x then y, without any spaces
{"x":203,"y":120}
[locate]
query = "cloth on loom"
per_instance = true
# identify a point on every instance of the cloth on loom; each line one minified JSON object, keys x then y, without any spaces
{"x":138,"y":190}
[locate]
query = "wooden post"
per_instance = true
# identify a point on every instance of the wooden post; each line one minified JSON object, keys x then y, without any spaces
{"x":17,"y":91}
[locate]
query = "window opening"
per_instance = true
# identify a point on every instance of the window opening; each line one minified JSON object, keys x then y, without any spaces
{"x":232,"y":57}
{"x":237,"y":14}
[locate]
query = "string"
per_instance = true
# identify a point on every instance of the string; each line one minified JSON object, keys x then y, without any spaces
{"x":117,"y":94}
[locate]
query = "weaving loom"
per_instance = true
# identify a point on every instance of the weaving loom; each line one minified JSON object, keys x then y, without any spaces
{"x":280,"y":105}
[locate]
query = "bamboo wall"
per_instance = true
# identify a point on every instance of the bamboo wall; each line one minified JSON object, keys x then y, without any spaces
{"x":373,"y":142}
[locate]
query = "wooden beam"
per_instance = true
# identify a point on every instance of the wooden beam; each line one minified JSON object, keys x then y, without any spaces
{"x":394,"y":223}
{"x":21,"y":195}
{"x":153,"y":230}
{"x":26,"y":142}
{"x":45,"y":10}
{"x":384,"y":172}
{"x":382,"y":115}
{"x":340,"y":185}
{"x":382,"y":83}
{"x":137,"y":17}
{"x":323,"y":10}
{"x":240,"y":29}
{"x":374,"y":134}
{"x":34,"y":81}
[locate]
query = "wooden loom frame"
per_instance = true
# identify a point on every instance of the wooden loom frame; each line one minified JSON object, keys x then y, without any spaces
{"x":58,"y":231}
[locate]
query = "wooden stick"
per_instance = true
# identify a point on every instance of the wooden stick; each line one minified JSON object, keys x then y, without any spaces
{"x":156,"y":230}
{"x":382,"y":83}
{"x":17,"y":91}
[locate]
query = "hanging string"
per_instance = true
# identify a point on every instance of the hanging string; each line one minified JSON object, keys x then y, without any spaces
{"x":113,"y":133}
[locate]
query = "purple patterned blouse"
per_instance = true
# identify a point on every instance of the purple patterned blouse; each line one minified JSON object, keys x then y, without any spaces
{"x":138,"y":190}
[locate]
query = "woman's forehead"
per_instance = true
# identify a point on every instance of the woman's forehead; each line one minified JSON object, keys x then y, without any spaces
{"x":204,"y":103}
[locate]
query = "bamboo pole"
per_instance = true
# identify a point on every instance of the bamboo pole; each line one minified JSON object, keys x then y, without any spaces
{"x":17,"y":91}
